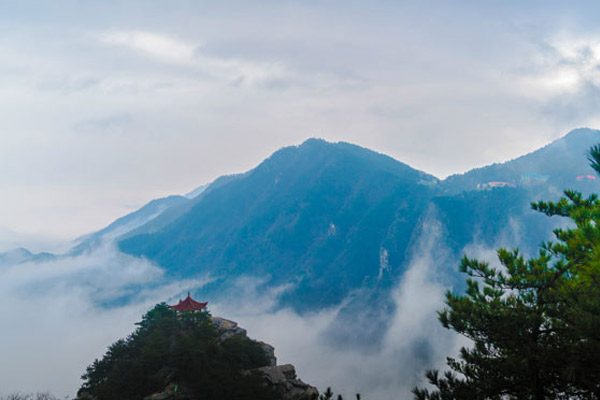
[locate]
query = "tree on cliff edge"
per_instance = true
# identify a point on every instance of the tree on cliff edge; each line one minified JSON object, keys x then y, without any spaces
{"x":175,"y":348}
{"x":534,"y":323}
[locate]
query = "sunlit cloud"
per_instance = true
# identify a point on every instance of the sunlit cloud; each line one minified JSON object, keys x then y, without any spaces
{"x":565,"y":65}
{"x":155,"y":45}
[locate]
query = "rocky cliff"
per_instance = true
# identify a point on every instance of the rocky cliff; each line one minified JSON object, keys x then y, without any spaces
{"x":180,"y":355}
{"x":282,"y":379}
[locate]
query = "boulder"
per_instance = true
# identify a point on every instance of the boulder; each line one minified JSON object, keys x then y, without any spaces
{"x":173,"y":392}
{"x":227,"y":328}
{"x":270,"y":353}
{"x":283,"y":379}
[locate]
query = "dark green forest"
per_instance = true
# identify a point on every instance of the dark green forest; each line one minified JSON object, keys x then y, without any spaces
{"x":182,"y":349}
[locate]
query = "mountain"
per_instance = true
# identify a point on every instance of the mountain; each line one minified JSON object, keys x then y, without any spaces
{"x":197,"y":192}
{"x":491,"y":205}
{"x":328,"y":220}
{"x":320,"y":218}
{"x":128,"y":223}
{"x":21,"y":255}
{"x":151,"y":217}
{"x":174,"y":211}
{"x":557,"y":165}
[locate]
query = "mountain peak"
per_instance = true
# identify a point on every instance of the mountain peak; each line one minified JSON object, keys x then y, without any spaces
{"x":298,"y":218}
{"x":583,"y":131}
{"x":580,"y":137}
{"x":319,"y":153}
{"x":316,"y":142}
{"x":561,"y":161}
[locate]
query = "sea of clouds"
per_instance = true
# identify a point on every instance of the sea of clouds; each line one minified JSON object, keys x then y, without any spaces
{"x":59,"y":315}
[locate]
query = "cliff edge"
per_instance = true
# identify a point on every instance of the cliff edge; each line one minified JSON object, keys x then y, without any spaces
{"x":190,"y":355}
{"x":281,"y":379}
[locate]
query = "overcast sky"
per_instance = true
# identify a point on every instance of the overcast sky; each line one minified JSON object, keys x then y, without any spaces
{"x":107,"y":105}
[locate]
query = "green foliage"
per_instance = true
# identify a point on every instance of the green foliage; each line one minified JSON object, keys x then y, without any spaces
{"x":534,"y":324}
{"x":594,"y":158}
{"x":328,"y":395}
{"x":168,"y":347}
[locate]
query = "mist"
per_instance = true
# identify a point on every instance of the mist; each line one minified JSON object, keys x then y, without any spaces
{"x":413,"y":343}
{"x":60,"y":315}
{"x":57,"y":316}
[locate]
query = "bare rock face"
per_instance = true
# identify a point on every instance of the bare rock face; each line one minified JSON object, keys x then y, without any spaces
{"x":283,"y":379}
{"x":270,"y":352}
{"x":173,"y":392}
{"x":227,"y":328}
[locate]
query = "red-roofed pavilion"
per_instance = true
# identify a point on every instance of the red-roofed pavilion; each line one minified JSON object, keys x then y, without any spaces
{"x":188,"y":305}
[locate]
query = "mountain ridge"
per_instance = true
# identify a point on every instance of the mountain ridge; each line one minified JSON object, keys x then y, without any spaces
{"x":322,"y":194}
{"x":326,"y":219}
{"x":574,"y":134}
{"x":320,"y":212}
{"x":542,"y":161}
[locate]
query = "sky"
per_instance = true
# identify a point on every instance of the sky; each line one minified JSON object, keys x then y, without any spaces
{"x":107,"y":105}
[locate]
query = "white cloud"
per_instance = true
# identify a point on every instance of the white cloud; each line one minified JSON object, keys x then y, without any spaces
{"x":9,"y":240}
{"x":54,"y":327}
{"x":414,"y":342}
{"x":563,"y":66}
{"x":214,"y":90}
{"x":61,"y":315}
{"x":155,"y":45}
{"x":55,"y":318}
{"x":176,"y":51}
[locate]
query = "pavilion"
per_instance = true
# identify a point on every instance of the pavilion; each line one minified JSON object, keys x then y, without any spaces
{"x":188,"y":305}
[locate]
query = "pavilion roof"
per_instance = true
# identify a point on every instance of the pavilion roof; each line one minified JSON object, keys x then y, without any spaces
{"x":188,"y":305}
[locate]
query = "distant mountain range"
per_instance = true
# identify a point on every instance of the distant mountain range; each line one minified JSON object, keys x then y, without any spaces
{"x":333,"y":221}
{"x":129,"y":223}
{"x":21,"y":255}
{"x":563,"y":164}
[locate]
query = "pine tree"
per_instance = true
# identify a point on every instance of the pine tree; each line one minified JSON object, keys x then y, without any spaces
{"x":327,"y":395}
{"x":534,"y":324}
{"x":175,"y":348}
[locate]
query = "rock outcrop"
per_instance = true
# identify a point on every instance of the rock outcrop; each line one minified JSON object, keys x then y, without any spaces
{"x":227,"y":328}
{"x":281,"y":378}
{"x":270,"y":352}
{"x":174,"y":392}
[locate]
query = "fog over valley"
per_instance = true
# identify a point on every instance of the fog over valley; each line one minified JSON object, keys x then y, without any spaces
{"x":375,"y":334}
{"x":337,"y":180}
